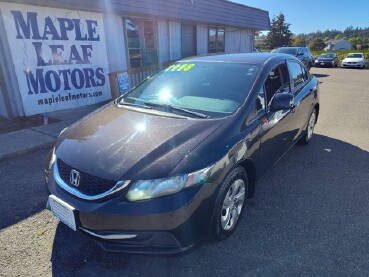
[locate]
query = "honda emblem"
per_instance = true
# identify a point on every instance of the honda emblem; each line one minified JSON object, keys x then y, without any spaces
{"x":74,"y":177}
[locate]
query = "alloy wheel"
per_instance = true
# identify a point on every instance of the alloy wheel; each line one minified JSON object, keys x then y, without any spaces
{"x":232,"y":205}
{"x":311,"y":126}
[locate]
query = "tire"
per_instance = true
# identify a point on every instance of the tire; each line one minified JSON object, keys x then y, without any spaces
{"x":230,"y":202}
{"x":309,"y":131}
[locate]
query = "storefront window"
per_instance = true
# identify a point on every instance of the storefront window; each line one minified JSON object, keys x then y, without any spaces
{"x":216,"y":40}
{"x":141,"y":41}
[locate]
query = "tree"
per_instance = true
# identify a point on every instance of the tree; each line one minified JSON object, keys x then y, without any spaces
{"x":317,"y":44}
{"x":299,"y":40}
{"x":279,"y":34}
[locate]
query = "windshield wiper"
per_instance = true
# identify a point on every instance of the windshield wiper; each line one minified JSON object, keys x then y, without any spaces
{"x":172,"y":108}
{"x":122,"y":102}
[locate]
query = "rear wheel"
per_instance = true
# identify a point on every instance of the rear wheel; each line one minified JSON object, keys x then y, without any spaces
{"x":229,"y":205}
{"x":309,"y":131}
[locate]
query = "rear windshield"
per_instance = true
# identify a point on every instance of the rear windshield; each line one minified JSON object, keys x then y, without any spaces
{"x":291,"y":51}
{"x":331,"y":56}
{"x":355,"y":55}
{"x":215,"y":89}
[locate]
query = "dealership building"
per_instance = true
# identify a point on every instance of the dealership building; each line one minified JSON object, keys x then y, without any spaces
{"x":63,"y":54}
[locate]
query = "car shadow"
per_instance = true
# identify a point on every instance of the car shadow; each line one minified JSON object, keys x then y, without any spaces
{"x":25,"y":195}
{"x":321,"y":75}
{"x":309,"y":212}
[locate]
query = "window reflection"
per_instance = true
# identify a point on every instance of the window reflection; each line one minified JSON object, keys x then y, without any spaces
{"x":216,"y":40}
{"x":141,"y":41}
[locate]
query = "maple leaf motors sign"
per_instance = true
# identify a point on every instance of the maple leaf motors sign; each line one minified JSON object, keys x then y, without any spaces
{"x":59,"y":56}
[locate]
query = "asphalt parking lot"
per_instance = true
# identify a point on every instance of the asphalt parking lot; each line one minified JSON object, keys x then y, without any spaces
{"x":309,"y":215}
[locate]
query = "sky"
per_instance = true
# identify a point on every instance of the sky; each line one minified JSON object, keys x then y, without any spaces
{"x":308,"y":16}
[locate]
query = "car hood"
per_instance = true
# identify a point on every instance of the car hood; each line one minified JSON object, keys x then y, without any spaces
{"x":353,"y":59}
{"x":123,"y":144}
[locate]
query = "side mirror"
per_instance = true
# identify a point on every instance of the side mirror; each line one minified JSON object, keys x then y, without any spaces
{"x":300,"y":54}
{"x":282,"y":101}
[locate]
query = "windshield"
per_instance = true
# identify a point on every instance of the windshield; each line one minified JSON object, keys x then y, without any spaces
{"x":331,"y":56}
{"x":355,"y":55}
{"x":215,"y":89}
{"x":291,"y":51}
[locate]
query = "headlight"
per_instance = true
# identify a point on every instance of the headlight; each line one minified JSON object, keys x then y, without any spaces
{"x":52,"y":159}
{"x":49,"y":165}
{"x":146,"y":189}
{"x":62,"y":131}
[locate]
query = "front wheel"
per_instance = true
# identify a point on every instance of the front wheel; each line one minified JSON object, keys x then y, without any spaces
{"x":309,"y":131}
{"x":230,"y":203}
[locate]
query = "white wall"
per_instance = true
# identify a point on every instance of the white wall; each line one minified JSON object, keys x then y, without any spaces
{"x":202,"y":39}
{"x":175,"y":40}
{"x":115,"y":42}
{"x":342,"y":45}
{"x":237,"y":40}
{"x":13,"y":104}
{"x":163,"y":41}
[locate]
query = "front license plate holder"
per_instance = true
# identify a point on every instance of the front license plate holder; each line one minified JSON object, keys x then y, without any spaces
{"x":63,"y":211}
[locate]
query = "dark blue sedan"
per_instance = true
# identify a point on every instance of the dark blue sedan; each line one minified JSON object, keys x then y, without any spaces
{"x":326,"y":60}
{"x":175,"y":159}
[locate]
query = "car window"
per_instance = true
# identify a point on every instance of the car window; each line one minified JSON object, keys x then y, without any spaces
{"x":258,"y":106}
{"x":298,"y":76}
{"x":306,"y":73}
{"x":277,"y":81}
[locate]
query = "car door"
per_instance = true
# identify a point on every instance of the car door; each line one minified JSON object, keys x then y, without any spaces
{"x":276,"y":127}
{"x":303,"y":93}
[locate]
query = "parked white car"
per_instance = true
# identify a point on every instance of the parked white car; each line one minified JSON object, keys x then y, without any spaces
{"x":354,"y":60}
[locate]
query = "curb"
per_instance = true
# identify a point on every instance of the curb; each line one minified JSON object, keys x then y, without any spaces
{"x":28,"y":150}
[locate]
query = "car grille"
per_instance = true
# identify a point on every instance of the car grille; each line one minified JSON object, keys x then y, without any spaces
{"x":89,"y":185}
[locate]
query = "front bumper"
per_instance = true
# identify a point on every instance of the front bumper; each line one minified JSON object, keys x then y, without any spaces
{"x":352,"y":64}
{"x":165,"y":225}
{"x":324,"y":63}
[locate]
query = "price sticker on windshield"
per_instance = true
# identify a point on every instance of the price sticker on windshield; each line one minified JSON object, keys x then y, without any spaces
{"x":180,"y":67}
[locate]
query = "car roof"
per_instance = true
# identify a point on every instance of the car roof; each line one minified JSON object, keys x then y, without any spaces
{"x":253,"y":58}
{"x":292,"y":47}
